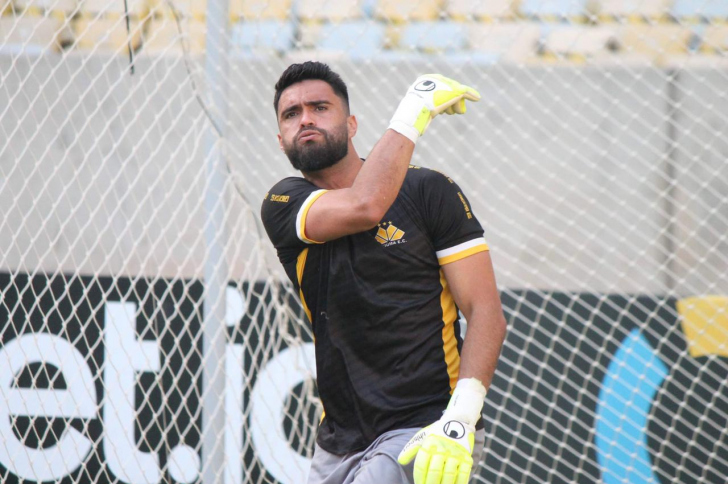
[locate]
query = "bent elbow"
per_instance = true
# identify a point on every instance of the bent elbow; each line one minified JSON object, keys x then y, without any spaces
{"x":370,"y":212}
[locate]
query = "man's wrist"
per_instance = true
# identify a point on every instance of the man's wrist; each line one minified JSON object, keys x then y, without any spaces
{"x":411,"y":117}
{"x":466,"y":402}
{"x":407,"y":131}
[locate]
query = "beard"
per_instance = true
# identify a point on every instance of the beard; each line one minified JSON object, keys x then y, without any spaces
{"x":314,"y":155}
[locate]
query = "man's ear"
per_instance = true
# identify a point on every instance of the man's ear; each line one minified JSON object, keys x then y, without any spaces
{"x":280,"y":142}
{"x":352,"y":125}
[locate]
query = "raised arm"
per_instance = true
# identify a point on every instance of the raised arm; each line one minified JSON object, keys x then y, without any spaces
{"x":354,"y":209}
{"x":345,"y":211}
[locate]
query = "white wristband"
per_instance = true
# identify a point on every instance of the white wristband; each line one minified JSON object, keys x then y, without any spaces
{"x":405,"y":130}
{"x":404,"y":118}
{"x":466,"y":402}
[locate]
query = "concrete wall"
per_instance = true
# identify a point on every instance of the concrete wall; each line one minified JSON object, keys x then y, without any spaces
{"x":593,"y":179}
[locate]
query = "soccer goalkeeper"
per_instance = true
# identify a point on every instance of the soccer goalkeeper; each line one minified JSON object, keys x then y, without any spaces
{"x":383,"y":254}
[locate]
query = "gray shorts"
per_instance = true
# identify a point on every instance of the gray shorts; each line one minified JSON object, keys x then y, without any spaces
{"x":377,"y":464}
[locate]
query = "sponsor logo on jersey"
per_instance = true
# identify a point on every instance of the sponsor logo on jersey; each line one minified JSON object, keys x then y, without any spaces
{"x":465,"y":205}
{"x":280,"y":198}
{"x":388,"y":234}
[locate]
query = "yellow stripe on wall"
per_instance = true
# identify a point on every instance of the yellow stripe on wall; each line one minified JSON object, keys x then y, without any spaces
{"x":300,"y":264}
{"x":705,"y":324}
{"x":449,"y":341}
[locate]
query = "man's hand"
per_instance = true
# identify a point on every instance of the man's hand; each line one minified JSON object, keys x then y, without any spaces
{"x":443,"y":453}
{"x":430,"y":95}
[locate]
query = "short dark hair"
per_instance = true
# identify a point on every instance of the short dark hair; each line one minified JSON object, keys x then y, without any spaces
{"x":311,"y":70}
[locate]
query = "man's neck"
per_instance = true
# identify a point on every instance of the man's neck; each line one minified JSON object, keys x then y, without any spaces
{"x":340,"y":175}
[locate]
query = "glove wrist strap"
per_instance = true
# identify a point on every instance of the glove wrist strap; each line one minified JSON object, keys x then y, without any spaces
{"x":411,"y":117}
{"x":466,"y":402}
{"x":405,"y":130}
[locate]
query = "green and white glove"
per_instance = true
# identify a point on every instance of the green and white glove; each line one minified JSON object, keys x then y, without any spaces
{"x":443,"y":451}
{"x":430,"y":95}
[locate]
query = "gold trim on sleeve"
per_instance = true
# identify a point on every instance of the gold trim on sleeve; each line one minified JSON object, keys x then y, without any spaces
{"x":463,"y":254}
{"x":300,"y":265}
{"x":303,"y":213}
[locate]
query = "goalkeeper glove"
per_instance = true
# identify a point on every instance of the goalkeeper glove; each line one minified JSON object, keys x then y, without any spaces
{"x":443,"y":451}
{"x":430,"y":95}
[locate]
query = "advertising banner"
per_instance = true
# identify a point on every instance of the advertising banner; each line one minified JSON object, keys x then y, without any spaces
{"x":101,"y":382}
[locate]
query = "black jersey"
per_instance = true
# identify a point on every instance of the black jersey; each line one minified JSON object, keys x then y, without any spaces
{"x":385,"y":324}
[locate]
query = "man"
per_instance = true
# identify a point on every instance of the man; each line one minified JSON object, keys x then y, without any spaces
{"x":380,"y":253}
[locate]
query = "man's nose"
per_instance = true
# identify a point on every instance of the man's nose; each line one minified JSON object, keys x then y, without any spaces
{"x":307,"y":118}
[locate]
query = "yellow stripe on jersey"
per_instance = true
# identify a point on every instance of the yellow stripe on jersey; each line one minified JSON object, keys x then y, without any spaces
{"x":300,"y":264}
{"x":461,"y":251}
{"x":303,"y":213}
{"x":449,"y":341}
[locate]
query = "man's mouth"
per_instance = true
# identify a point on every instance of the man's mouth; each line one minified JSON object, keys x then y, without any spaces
{"x":308,"y":135}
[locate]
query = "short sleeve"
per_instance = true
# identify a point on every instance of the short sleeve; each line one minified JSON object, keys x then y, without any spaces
{"x":454,"y":229}
{"x":284,"y":212}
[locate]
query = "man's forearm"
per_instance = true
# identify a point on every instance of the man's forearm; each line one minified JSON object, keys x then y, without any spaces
{"x":381,"y":177}
{"x":358,"y":204}
{"x":482,"y":345}
{"x":385,"y":169}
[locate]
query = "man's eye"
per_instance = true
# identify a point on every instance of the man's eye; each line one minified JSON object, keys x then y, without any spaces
{"x":290,"y":114}
{"x":321,"y":108}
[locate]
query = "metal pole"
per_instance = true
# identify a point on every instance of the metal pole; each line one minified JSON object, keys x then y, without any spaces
{"x":214,"y":332}
{"x":670,"y":187}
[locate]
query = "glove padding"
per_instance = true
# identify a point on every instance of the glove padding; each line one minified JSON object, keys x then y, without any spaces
{"x":444,"y":453}
{"x":430,"y":95}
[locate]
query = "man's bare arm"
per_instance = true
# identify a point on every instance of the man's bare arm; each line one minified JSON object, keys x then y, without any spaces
{"x":352,"y":210}
{"x":472,"y":283}
{"x":360,"y":207}
{"x":445,"y":448}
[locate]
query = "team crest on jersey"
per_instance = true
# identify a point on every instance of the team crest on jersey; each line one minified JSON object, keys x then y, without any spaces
{"x":388,"y":234}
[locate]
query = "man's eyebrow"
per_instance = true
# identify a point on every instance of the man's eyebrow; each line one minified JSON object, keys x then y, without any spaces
{"x":296,"y":107}
{"x":316,"y":103}
{"x":290,"y":108}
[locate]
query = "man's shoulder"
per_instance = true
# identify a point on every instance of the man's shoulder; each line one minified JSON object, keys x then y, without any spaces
{"x":284,"y":195}
{"x":290,"y":188}
{"x":290,"y":183}
{"x":418,"y":176}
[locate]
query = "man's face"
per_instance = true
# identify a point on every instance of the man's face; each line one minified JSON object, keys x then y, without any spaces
{"x":314,"y":126}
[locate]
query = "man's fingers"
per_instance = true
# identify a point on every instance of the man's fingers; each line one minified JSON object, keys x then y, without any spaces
{"x":435,"y":469}
{"x":422,"y":464}
{"x":463,"y":475}
{"x":407,"y":454}
{"x":459,"y":107}
{"x":450,"y":474}
{"x":410,"y":449}
{"x":471,"y":94}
